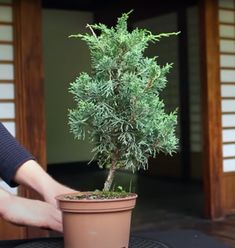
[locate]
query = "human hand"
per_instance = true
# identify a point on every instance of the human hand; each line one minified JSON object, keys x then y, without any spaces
{"x":54,"y":190}
{"x":35,"y":213}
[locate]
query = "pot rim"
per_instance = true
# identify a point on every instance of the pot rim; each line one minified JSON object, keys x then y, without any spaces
{"x":62,"y":198}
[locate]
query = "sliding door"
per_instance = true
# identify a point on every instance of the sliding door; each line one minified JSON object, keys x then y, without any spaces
{"x":218,"y":53}
{"x":21,"y":89}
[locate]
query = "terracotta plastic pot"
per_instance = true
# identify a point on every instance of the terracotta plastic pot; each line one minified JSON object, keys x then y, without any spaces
{"x":97,"y":223}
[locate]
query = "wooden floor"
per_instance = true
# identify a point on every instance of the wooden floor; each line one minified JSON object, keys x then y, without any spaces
{"x":166,"y":205}
{"x":223,"y":230}
{"x":161,"y":204}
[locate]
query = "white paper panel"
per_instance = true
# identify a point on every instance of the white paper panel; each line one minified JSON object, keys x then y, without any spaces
{"x":228,"y":165}
{"x":6,"y":33}
{"x":10,"y":126}
{"x":227,"y":75}
{"x":228,"y":105}
{"x":228,"y":90}
{"x":226,"y":16}
{"x":228,"y":150}
{"x":227,"y":31}
{"x":227,"y":60}
{"x":196,"y":129}
{"x":7,"y":110}
{"x":194,"y":77}
{"x":226,"y":3}
{"x":6,"y":91}
{"x":194,"y":108}
{"x":6,"y":72}
{"x":227,"y":46}
{"x":5,"y":14}
{"x":195,"y":138}
{"x":228,"y":135}
{"x":196,"y":118}
{"x":228,"y":120}
{"x":5,"y":186}
{"x":6,"y":52}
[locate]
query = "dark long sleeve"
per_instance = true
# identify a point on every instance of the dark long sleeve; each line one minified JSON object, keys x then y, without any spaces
{"x":12,"y":156}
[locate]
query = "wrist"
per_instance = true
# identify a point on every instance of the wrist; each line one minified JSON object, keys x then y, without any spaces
{"x":32,"y":175}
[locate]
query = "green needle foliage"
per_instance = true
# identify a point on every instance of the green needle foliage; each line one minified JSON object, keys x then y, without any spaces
{"x":118,"y":106}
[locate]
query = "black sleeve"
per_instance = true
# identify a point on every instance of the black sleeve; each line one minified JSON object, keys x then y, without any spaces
{"x":12,"y":156}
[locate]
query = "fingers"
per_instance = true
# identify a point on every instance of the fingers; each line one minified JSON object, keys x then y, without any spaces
{"x":57,"y":221}
{"x":50,"y":218}
{"x":35,"y":213}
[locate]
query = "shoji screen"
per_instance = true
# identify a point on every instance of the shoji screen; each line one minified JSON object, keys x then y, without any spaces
{"x":7,"y":86}
{"x":21,"y":82}
{"x":227,"y":77}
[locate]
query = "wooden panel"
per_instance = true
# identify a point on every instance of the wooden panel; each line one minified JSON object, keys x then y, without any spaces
{"x":228,"y":187}
{"x":165,"y":166}
{"x":196,"y":165}
{"x":170,"y":166}
{"x":29,"y":86}
{"x":212,"y":109}
{"x":9,"y":231}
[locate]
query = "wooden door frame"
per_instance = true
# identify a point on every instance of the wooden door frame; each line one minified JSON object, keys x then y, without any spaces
{"x":211,"y":107}
{"x":29,"y":77}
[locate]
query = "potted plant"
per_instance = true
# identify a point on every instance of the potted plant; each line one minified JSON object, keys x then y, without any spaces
{"x":119,"y":108}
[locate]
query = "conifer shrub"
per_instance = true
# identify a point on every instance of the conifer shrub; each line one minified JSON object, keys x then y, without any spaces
{"x":118,"y":105}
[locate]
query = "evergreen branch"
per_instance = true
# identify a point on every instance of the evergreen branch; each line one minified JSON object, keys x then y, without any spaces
{"x":92,"y":31}
{"x":158,"y":36}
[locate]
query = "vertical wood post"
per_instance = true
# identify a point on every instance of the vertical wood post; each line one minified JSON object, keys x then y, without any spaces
{"x":212,"y":147}
{"x":29,"y":86}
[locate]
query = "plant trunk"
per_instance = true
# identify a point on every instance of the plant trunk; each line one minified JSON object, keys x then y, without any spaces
{"x":110,"y":177}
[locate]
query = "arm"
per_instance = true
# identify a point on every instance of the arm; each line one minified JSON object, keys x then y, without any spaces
{"x":33,"y":176}
{"x":17,"y":166}
{"x":12,"y":156}
{"x":36,"y":213}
